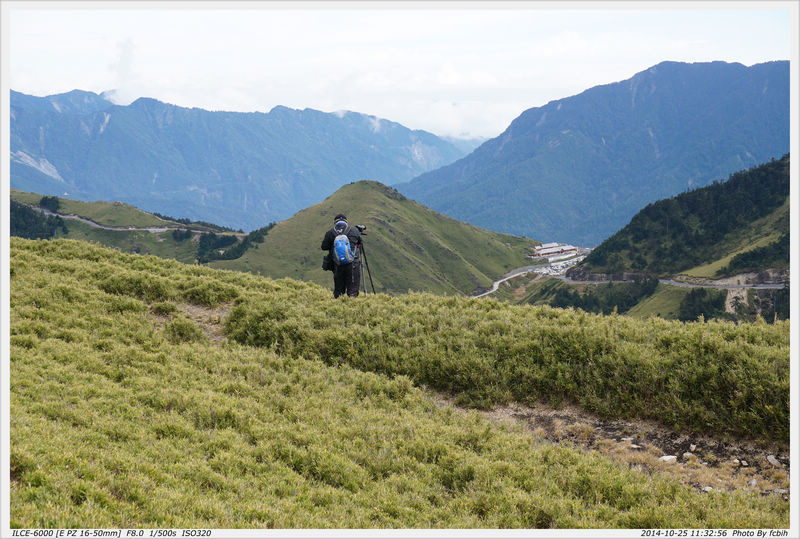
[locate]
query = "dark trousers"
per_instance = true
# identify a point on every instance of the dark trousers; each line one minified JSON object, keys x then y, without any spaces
{"x":346,"y":279}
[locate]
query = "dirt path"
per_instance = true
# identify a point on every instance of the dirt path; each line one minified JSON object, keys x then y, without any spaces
{"x":702,"y":462}
{"x":209,"y":320}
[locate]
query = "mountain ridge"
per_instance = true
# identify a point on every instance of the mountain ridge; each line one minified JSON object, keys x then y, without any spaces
{"x":239,"y":169}
{"x":577,"y":168}
{"x":699,"y":227}
{"x":409,"y":247}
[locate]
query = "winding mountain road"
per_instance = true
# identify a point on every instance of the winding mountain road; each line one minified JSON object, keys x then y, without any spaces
{"x":755,"y":286}
{"x":151,"y":229}
{"x":719,"y":286}
{"x":510,"y":275}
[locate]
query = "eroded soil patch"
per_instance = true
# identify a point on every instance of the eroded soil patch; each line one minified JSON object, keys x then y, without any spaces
{"x":703,"y":462}
{"x":210,"y":320}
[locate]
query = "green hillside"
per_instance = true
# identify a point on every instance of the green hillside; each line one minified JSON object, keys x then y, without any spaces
{"x":664,"y":303}
{"x":408,"y":246}
{"x":104,"y":213}
{"x":701,"y":231}
{"x":145,"y":393}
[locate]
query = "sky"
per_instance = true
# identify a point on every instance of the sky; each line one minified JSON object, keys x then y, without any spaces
{"x":452,"y":68}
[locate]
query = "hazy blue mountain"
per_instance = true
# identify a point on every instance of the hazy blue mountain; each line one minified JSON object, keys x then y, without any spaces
{"x":466,"y":145}
{"x":241,"y":170}
{"x":74,"y":102}
{"x":577,"y":169}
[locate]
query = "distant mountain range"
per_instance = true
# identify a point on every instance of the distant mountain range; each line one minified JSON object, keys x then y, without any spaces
{"x":577,"y":169}
{"x":241,"y":170}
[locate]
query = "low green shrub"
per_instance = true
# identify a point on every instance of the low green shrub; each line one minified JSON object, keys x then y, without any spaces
{"x":183,"y":330}
{"x":164,"y":308}
{"x":716,"y":377}
{"x":138,"y":284}
{"x":118,"y":423}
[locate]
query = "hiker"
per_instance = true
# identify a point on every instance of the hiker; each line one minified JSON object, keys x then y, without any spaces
{"x":345,"y":256}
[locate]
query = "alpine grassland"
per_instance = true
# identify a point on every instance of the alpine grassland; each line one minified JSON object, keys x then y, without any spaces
{"x":105,"y":213}
{"x":408,"y":246}
{"x":129,"y":411}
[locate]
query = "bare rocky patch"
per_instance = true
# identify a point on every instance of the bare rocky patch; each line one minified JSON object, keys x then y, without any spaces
{"x":700,"y":461}
{"x":210,"y":320}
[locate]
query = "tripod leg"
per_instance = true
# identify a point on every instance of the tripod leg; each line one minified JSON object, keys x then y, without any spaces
{"x":363,"y":281}
{"x":368,"y":272}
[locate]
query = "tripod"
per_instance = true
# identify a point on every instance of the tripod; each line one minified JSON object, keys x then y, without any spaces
{"x":363,"y":275}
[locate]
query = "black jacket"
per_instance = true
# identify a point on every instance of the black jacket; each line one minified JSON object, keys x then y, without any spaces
{"x":354,"y":235}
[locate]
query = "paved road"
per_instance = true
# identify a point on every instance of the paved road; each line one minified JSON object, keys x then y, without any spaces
{"x":510,"y":275}
{"x":685,"y":285}
{"x":721,"y":286}
{"x":528,"y":269}
{"x":151,"y":229}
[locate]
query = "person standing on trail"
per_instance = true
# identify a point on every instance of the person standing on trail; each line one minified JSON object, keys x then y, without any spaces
{"x":343,"y":243}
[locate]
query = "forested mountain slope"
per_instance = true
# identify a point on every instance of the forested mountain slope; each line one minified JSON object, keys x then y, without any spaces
{"x":746,"y":216}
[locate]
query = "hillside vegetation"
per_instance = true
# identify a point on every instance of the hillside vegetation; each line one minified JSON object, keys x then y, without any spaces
{"x":306,"y":412}
{"x":30,"y":223}
{"x":645,"y":297}
{"x":104,"y":213}
{"x":744,"y":222}
{"x":408,"y":246}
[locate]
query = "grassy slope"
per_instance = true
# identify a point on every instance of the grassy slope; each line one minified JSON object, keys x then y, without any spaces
{"x":665,"y":303}
{"x":117,"y":214}
{"x":761,"y":233}
{"x":159,"y":244}
{"x":123,"y":414}
{"x":104,"y":213}
{"x":408,"y":246}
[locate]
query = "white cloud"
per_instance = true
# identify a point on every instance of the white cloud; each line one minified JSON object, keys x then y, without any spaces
{"x":450,"y":70}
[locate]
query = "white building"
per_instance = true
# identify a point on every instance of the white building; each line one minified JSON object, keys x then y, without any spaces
{"x":553,"y":249}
